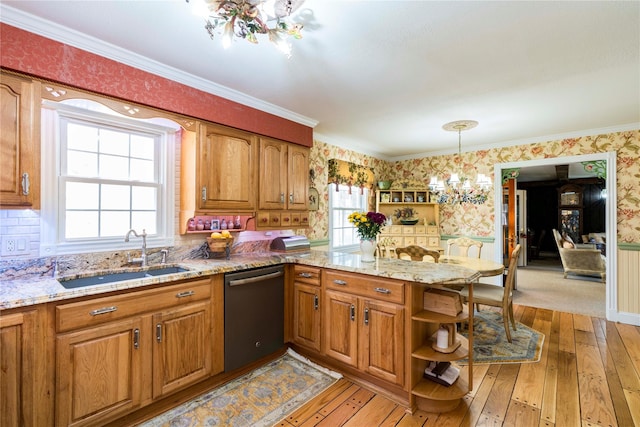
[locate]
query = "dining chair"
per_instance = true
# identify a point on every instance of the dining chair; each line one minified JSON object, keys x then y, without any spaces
{"x":417,"y":253}
{"x":463,"y":244}
{"x":498,"y":296}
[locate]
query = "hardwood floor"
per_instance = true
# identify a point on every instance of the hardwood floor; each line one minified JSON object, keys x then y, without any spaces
{"x":588,"y":375}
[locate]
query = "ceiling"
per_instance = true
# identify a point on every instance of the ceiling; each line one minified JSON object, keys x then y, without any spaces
{"x":382,"y":77}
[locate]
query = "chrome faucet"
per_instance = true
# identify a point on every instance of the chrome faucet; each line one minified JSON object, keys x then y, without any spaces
{"x":143,"y":254}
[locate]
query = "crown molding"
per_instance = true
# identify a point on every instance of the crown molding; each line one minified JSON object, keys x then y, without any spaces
{"x":59,"y":33}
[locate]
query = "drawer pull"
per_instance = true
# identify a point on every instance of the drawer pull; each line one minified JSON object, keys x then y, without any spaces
{"x":103,"y":310}
{"x":366,"y":316}
{"x":136,"y":338}
{"x":159,"y":332}
{"x":339,"y":282}
{"x":306,"y":275}
{"x":315,"y":302}
{"x":185,"y":294}
{"x":382,"y":290}
{"x":353,"y":312}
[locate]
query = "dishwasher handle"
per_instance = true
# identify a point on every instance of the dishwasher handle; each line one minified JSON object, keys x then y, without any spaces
{"x":255,"y":279}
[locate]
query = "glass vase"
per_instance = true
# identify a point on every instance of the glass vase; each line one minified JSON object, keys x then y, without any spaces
{"x":368,"y":250}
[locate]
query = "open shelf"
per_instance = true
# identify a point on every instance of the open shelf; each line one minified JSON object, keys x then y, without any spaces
{"x":433,"y":317}
{"x":426,"y":351}
{"x":434,"y":391}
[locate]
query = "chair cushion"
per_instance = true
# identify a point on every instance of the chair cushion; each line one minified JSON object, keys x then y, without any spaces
{"x":485,"y":292}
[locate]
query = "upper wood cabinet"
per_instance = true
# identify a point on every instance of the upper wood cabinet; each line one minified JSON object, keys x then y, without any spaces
{"x":226,"y":164}
{"x":284,"y":172}
{"x":19,"y":142}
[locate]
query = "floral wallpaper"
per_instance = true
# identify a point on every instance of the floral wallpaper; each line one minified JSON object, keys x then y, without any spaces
{"x":478,"y":220}
{"x":320,"y":155}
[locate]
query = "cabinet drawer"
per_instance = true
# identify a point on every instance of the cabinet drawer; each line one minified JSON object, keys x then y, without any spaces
{"x":367,"y":286}
{"x":99,"y":310}
{"x":410,"y":240}
{"x":434,"y":242}
{"x":304,"y":274}
{"x":408,"y":230}
{"x":420,"y":229}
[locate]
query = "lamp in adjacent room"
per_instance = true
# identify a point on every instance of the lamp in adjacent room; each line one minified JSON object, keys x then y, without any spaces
{"x":458,"y":188}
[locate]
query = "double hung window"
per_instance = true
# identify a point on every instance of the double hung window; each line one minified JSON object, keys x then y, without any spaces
{"x":111,"y":175}
{"x":342,"y":203}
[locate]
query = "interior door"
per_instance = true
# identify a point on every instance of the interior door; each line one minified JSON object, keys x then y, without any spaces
{"x":509,"y":230}
{"x":521,"y":226}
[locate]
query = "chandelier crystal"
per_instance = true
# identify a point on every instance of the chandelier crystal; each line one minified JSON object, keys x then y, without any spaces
{"x":247,"y":19}
{"x":457,"y":189}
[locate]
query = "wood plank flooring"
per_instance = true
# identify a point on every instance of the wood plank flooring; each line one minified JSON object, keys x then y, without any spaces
{"x":588,"y":375}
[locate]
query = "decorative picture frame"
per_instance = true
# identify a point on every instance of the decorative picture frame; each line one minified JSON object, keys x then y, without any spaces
{"x":215,"y":224}
{"x":314,"y":199}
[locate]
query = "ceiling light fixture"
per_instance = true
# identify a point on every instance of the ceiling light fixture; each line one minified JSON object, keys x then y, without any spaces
{"x":246,"y":19}
{"x":457,"y":189}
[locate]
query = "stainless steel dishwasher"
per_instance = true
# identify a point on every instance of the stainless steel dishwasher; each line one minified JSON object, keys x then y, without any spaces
{"x":253,"y":315}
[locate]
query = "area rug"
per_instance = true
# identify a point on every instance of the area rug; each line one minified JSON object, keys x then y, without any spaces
{"x":259,"y":398}
{"x":490,"y":343}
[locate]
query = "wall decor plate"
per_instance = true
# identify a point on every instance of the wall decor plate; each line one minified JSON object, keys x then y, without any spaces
{"x":314,"y":199}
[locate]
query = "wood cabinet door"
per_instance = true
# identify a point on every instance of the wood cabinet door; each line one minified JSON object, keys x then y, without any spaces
{"x":382,"y":340}
{"x":19,"y":374}
{"x":98,"y":373}
{"x":182,"y":352}
{"x":340,"y":338}
{"x":298,"y":177}
{"x":273,"y":174}
{"x":306,"y":315}
{"x":226,"y":163}
{"x":19,"y":142}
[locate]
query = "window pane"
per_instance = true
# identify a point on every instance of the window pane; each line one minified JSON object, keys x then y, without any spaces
{"x":114,"y":223}
{"x":80,"y":163}
{"x":142,"y":170}
{"x":142,"y":147}
{"x":115,"y":197}
{"x":113,"y":142}
{"x":114,"y":167}
{"x":144,"y":198}
{"x":144,"y":220}
{"x":79,"y":224}
{"x":81,"y":137}
{"x":81,"y":195}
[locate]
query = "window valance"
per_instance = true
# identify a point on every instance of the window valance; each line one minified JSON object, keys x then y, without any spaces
{"x":351,"y":174}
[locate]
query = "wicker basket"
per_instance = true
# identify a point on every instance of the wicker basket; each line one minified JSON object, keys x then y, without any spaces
{"x":219,"y":245}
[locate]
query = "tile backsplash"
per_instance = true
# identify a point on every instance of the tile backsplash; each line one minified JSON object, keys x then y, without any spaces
{"x":19,"y":233}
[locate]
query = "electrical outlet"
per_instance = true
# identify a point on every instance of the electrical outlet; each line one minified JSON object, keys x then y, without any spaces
{"x":15,"y":245}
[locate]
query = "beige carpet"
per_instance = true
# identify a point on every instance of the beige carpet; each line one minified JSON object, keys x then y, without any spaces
{"x":542,"y":285}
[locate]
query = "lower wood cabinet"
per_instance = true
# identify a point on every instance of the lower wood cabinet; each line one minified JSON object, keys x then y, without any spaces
{"x":361,"y":331}
{"x":116,"y":354}
{"x":306,"y":307}
{"x":24,"y":370}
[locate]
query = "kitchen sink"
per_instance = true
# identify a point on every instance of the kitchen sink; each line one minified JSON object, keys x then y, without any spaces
{"x":100,"y":279}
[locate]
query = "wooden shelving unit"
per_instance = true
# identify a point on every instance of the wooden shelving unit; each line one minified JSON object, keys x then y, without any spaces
{"x":425,"y":233}
{"x":427,"y":395}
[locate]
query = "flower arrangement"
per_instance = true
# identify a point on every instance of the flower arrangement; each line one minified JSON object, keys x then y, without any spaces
{"x":405,"y":213}
{"x":368,"y":225}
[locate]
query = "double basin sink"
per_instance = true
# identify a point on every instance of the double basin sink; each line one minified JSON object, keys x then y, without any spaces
{"x":100,"y":279}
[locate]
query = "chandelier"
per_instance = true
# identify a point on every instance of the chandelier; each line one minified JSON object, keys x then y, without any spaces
{"x":247,"y":19}
{"x":457,"y":189}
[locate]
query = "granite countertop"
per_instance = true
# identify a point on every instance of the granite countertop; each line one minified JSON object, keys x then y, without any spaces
{"x":34,"y":289}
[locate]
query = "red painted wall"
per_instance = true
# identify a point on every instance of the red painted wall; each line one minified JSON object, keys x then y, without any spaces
{"x":38,"y":56}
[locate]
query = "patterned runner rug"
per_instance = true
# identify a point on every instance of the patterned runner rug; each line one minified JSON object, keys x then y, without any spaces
{"x":259,"y":398}
{"x":490,"y":343}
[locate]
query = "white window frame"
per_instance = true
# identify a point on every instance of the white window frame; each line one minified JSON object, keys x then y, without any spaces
{"x":52,"y":240}
{"x":363,"y":206}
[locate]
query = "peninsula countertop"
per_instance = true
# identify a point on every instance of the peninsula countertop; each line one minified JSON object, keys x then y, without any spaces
{"x":30,"y":289}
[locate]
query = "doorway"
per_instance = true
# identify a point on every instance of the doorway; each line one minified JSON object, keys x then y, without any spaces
{"x":610,"y":212}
